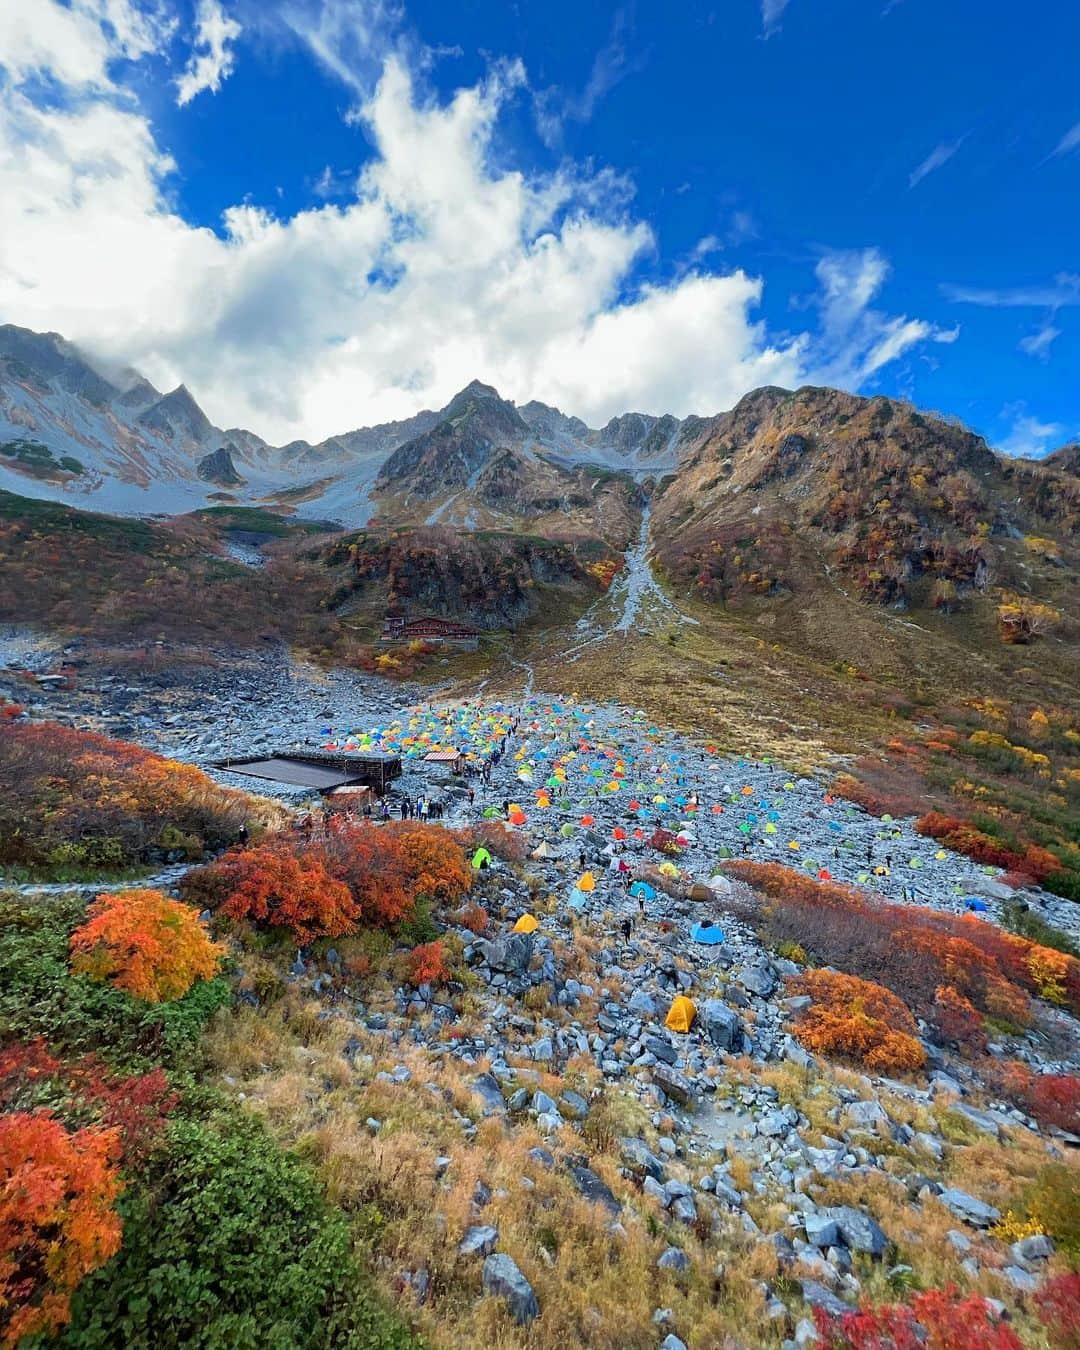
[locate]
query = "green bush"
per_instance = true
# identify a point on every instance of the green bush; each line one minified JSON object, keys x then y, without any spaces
{"x":1028,"y":925}
{"x":229,"y":1244}
{"x":39,"y":996}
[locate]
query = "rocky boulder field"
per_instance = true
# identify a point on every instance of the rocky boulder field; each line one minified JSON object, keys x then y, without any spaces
{"x":608,"y":1124}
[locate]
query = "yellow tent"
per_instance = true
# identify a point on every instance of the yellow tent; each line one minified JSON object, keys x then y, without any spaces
{"x":587,"y":882}
{"x":526,"y":924}
{"x":669,"y":869}
{"x":681,"y":1014}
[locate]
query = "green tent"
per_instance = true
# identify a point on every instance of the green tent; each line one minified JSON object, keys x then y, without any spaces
{"x":481,"y":858}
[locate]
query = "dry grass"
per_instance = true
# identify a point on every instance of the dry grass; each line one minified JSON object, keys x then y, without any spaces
{"x":596,"y":1280}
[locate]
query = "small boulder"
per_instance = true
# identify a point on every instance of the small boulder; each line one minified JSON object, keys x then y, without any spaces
{"x":479,"y":1241}
{"x":503,"y":1279}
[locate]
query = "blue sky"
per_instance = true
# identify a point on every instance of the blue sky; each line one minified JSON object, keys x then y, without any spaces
{"x":320,"y":213}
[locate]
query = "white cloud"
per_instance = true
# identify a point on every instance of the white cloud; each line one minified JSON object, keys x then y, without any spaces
{"x":1063,"y":290}
{"x":1028,"y":438}
{"x":1070,"y":141}
{"x":941,"y":154}
{"x":212,"y":59}
{"x":439,"y":265}
{"x":772,"y":12}
{"x":858,"y":340}
{"x":1038,"y":344}
{"x":75,"y":45}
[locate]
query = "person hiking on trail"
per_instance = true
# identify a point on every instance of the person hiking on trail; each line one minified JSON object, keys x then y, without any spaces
{"x":627,"y":928}
{"x":582,"y":860}
{"x":869,"y":854}
{"x":472,"y":796}
{"x":888,"y":860}
{"x":746,"y":845}
{"x":242,"y":836}
{"x":641,"y":905}
{"x":506,"y":808}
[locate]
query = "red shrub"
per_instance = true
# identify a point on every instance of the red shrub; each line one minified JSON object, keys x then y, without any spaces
{"x":956,"y":1022}
{"x":372,"y":864}
{"x":509,"y":845}
{"x":938,"y":1319}
{"x":1052,"y":1098}
{"x":427,"y":964}
{"x":272,"y":886}
{"x":135,"y":1107}
{"x":474,"y":918}
{"x":1058,"y":1307}
{"x":9,"y":711}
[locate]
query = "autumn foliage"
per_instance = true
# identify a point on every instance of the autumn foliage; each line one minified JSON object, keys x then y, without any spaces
{"x":912,"y":952}
{"x":937,"y":1319}
{"x":427,"y":964}
{"x":276,"y":887}
{"x":73,"y":798}
{"x":142,"y":942}
{"x":353,"y":874}
{"x":57,"y":1221}
{"x":962,"y":837}
{"x":1052,"y":1098}
{"x":437,"y":863}
{"x":857,"y":1020}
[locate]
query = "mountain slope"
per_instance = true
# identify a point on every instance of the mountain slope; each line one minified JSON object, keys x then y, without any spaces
{"x":792,"y":491}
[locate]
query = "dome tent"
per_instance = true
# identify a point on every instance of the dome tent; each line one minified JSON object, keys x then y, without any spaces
{"x":526,"y":924}
{"x":681,"y":1014}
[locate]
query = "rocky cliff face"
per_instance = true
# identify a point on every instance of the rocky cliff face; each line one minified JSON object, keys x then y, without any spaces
{"x":218,"y":467}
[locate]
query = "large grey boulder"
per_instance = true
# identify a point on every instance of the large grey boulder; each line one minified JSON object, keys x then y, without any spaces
{"x":485,"y":1086}
{"x":674,"y":1084}
{"x":759,"y":978}
{"x":592,"y":1188}
{"x":858,"y":1231}
{"x":722,"y":1025}
{"x":973,"y":1211}
{"x":504,"y":1280}
{"x":509,"y":955}
{"x":479,"y":1241}
{"x":637,"y":1155}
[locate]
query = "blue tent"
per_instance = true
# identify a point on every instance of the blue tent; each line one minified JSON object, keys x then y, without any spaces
{"x":978,"y":906}
{"x":644,"y":890}
{"x":707,"y":933}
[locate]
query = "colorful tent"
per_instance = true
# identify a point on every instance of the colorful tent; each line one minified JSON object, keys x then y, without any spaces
{"x":526,"y":924}
{"x":681,"y":1014}
{"x":644,"y":890}
{"x":708,"y":933}
{"x":481,"y":858}
{"x":587,"y":882}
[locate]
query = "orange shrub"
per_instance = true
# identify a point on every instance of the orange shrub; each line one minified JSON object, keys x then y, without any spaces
{"x":857,"y":1020}
{"x":63,"y":786}
{"x":474,"y":918}
{"x":272,"y":886}
{"x":57,"y":1221}
{"x":150,"y":946}
{"x":427,"y":964}
{"x":437,"y":862}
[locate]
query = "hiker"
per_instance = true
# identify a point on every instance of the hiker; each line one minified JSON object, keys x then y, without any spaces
{"x":506,"y":809}
{"x":869,"y":854}
{"x":641,"y":905}
{"x":472,"y":796}
{"x":242,"y":836}
{"x":582,"y":860}
{"x":627,"y":928}
{"x":404,"y":808}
